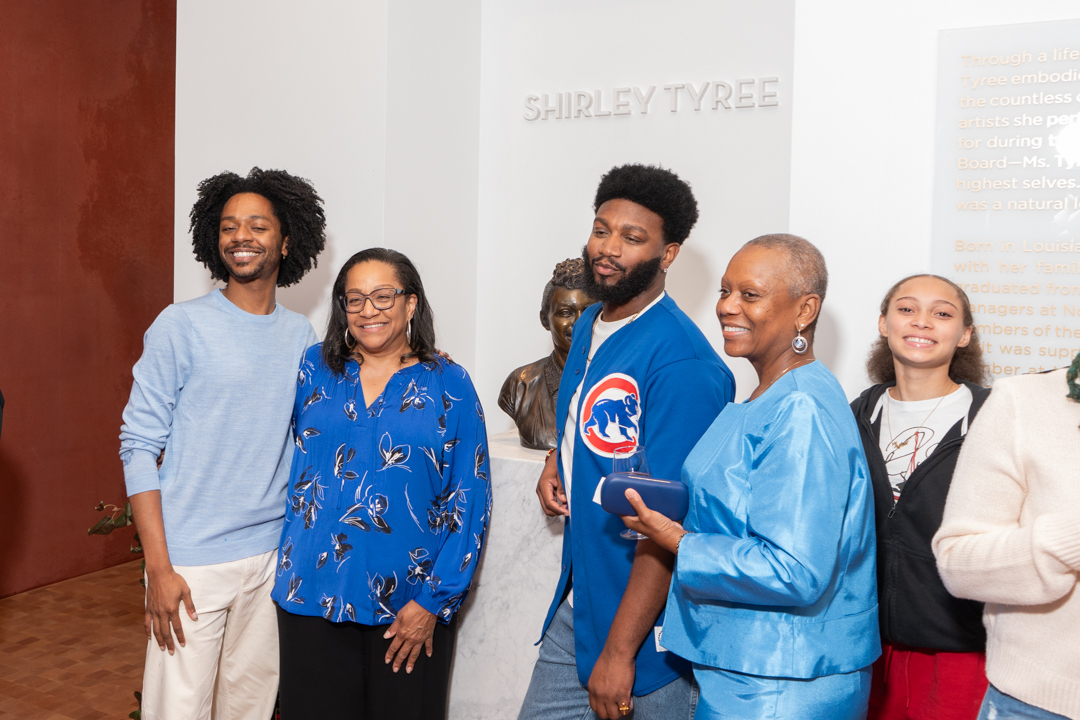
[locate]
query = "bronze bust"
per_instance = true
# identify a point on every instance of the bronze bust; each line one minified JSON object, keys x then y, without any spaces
{"x":530,"y":392}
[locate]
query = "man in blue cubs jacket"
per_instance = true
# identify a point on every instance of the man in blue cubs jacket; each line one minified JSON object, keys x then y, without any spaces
{"x":639,"y":372}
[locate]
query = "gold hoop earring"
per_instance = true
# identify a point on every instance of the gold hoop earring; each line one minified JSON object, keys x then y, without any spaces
{"x":347,"y":336}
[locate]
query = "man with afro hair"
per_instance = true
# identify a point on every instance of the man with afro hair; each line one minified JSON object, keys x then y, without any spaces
{"x":207,"y":449}
{"x":639,"y":373}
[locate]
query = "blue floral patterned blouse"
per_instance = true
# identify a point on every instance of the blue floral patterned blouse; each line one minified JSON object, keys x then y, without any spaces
{"x":387,"y":503}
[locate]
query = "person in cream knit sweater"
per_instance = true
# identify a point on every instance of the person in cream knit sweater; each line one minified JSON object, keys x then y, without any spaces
{"x":1011,"y":538}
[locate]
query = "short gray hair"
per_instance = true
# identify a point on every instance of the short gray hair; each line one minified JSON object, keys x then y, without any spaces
{"x":806,"y":271}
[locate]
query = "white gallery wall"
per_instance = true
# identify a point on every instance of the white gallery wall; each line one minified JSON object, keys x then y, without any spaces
{"x":409,"y":118}
{"x":280,"y":84}
{"x":862,"y":158}
{"x":432,"y":158}
{"x":375,"y":102}
{"x":538,"y":177}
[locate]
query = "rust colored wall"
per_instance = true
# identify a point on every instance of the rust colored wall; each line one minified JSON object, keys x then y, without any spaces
{"x":86,"y":237}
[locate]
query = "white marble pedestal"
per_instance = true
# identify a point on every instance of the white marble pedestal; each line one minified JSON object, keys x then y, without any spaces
{"x":512,"y":589}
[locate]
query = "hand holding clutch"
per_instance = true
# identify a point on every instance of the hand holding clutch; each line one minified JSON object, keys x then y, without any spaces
{"x":667,"y":497}
{"x":662,"y":530}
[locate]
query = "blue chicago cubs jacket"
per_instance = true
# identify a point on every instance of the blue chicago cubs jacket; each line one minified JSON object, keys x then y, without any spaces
{"x":658,"y":382}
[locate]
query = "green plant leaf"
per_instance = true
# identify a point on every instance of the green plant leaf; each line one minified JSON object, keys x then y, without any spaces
{"x":100,"y":527}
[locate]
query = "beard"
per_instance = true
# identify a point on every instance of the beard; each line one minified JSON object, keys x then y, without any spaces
{"x":632,"y":284}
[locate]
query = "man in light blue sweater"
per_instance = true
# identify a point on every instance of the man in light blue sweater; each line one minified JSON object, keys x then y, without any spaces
{"x":207,"y":447}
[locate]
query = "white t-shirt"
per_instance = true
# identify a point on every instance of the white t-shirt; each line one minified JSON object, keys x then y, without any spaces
{"x":910,"y":431}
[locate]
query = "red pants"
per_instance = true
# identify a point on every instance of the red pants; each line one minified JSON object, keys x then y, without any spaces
{"x":918,"y":684}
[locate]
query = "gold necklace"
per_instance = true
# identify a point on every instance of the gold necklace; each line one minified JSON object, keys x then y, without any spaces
{"x":798,"y":364}
{"x":888,"y":416}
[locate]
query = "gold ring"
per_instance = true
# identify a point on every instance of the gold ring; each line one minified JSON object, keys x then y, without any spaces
{"x":624,"y":708}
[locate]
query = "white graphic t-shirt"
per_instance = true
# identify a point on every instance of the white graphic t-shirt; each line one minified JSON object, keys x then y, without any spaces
{"x":910,"y":431}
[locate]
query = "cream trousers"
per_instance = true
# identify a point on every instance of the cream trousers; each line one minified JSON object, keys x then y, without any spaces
{"x":228,"y":669}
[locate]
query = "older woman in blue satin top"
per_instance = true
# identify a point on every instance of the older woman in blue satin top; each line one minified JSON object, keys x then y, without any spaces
{"x":774,"y":594}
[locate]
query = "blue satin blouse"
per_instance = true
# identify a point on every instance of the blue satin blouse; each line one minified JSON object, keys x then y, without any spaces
{"x":778,"y":577}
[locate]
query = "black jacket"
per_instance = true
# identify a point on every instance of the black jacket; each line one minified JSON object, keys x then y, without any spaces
{"x":914,"y":608}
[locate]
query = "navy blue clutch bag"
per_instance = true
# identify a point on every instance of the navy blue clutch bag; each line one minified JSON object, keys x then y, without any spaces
{"x":667,"y":497}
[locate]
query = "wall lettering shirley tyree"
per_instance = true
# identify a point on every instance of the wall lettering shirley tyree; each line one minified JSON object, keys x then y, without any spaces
{"x":711,"y":94}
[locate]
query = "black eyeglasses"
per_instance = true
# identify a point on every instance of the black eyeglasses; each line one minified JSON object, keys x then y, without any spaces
{"x":381,"y":299}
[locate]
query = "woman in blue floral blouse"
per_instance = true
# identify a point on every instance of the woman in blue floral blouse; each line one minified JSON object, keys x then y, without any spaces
{"x":389,"y":503}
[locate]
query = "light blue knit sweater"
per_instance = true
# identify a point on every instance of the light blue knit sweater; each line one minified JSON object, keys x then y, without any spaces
{"x":215,"y":387}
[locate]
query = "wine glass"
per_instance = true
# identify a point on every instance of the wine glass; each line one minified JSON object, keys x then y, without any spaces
{"x":630,"y":459}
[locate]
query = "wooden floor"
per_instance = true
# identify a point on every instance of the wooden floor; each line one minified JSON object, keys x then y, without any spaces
{"x":73,"y":650}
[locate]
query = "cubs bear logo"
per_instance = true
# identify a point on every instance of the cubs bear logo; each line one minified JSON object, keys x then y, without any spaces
{"x":611,"y":414}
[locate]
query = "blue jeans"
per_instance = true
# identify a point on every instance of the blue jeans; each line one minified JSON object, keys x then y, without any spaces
{"x":999,"y":706}
{"x":555,"y":693}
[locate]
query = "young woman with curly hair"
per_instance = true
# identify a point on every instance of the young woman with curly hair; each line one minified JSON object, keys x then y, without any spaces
{"x":927,"y":366}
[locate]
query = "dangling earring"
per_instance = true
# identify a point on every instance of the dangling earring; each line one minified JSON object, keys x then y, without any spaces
{"x":408,"y":332}
{"x":799,"y":344}
{"x":347,"y":336}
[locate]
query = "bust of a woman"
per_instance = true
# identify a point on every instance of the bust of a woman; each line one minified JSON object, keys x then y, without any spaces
{"x":530,"y":391}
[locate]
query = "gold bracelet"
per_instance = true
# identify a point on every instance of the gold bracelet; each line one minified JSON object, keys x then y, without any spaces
{"x":550,"y":452}
{"x":679,"y":541}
